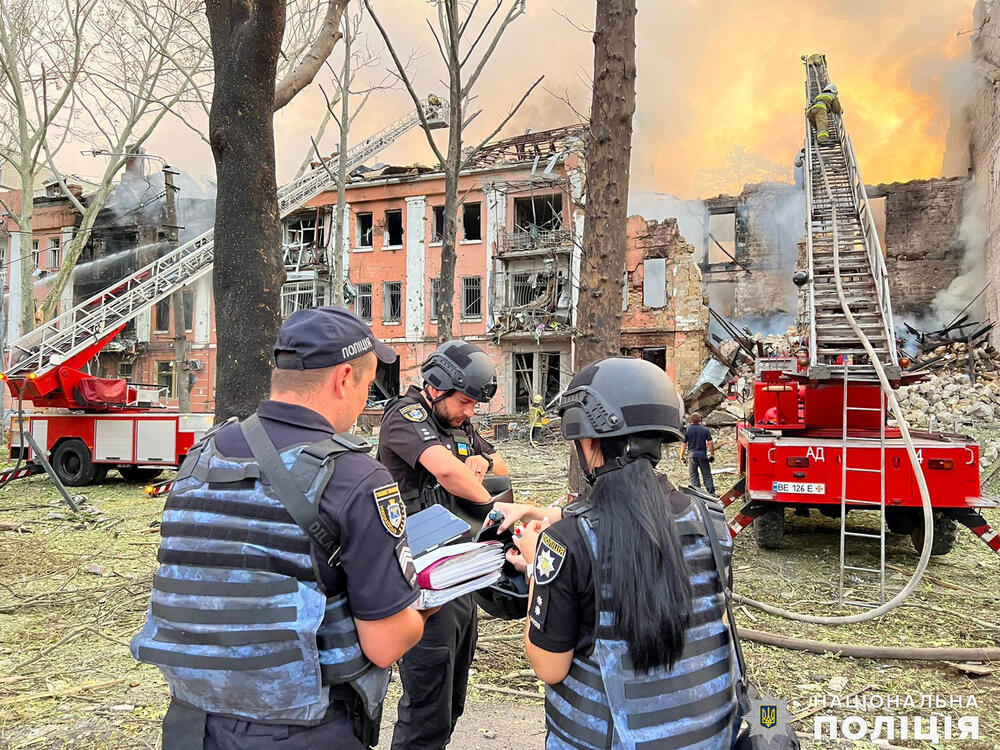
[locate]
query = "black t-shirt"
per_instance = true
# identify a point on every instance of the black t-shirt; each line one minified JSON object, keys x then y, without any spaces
{"x":697,"y":437}
{"x":372,"y":558}
{"x":563,"y":611}
{"x":409,"y":428}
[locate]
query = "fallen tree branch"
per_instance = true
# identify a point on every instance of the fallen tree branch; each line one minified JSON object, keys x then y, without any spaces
{"x":903,"y":653}
{"x":508,"y":691}
{"x":75,"y":633}
{"x":62,"y":693}
{"x":496,"y":638}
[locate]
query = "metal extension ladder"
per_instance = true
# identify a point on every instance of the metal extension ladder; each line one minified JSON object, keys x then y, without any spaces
{"x":847,"y":471}
{"x":839,"y":221}
{"x":99,"y":316}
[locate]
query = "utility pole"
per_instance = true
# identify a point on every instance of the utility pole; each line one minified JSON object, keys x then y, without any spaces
{"x":177,"y":298}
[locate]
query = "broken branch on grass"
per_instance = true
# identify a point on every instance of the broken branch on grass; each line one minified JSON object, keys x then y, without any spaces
{"x":75,"y":633}
{"x":62,"y":693}
{"x":497,"y":638}
{"x":507,"y":691}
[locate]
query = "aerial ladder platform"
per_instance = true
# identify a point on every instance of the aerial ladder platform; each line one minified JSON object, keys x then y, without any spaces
{"x":46,"y":365}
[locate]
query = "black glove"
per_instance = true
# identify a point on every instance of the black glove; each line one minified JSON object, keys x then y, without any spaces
{"x":711,"y":459}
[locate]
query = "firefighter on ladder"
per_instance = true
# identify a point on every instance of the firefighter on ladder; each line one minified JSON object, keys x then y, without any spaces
{"x":819,"y":111}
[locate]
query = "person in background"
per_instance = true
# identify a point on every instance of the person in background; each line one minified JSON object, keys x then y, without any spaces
{"x":700,"y":452}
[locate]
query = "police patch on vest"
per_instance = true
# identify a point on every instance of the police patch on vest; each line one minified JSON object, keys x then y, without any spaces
{"x":414,"y":413}
{"x":391,"y":509}
{"x":549,"y":559}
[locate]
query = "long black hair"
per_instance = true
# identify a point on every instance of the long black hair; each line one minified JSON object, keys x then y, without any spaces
{"x":642,"y":560}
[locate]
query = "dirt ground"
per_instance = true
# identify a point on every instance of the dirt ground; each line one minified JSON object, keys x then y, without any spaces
{"x":74,"y":590}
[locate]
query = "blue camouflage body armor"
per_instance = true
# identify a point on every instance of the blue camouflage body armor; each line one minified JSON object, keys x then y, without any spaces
{"x":239,"y":622}
{"x":604,"y":704}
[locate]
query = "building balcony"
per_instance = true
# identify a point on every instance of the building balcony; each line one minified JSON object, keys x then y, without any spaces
{"x":535,"y":241}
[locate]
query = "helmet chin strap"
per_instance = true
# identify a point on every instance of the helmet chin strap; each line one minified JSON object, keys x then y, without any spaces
{"x":434,"y":401}
{"x":618,"y":462}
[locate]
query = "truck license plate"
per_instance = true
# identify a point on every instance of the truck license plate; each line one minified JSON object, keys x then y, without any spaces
{"x":799,"y":488}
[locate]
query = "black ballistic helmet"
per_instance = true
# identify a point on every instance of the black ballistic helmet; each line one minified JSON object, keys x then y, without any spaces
{"x":621,"y":396}
{"x":463,"y":367}
{"x":508,"y":597}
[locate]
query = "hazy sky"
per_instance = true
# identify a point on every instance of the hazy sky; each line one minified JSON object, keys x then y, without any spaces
{"x":720,"y":86}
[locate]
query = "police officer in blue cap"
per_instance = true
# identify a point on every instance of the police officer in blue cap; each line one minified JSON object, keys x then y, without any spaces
{"x":285,"y":584}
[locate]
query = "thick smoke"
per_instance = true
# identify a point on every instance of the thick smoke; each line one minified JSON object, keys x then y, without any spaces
{"x":972,"y":236}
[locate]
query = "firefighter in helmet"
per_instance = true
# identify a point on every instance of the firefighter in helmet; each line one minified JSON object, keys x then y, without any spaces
{"x":819,"y":111}
{"x":653,"y":651}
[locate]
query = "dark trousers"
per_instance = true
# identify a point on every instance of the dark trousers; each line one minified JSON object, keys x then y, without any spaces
{"x":228,"y":734}
{"x":694,"y":464}
{"x":435,"y":675}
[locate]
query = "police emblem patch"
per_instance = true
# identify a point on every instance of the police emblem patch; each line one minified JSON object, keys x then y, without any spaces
{"x":414,"y":413}
{"x":769,"y":717}
{"x":548,"y":560}
{"x":391,"y":509}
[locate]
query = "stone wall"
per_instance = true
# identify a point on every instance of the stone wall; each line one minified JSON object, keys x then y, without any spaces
{"x":984,"y":132}
{"x":678,"y":324}
{"x":922,"y":249}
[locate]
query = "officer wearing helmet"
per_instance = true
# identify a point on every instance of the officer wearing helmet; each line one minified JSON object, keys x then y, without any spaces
{"x":430,"y":447}
{"x":647,"y":658}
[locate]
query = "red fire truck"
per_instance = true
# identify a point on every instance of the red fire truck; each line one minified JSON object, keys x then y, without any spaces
{"x":819,"y":436}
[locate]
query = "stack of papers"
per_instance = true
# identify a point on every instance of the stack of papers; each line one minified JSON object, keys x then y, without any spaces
{"x":454,"y":570}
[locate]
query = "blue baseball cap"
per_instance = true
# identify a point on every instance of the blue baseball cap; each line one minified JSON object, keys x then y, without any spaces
{"x":324,"y":337}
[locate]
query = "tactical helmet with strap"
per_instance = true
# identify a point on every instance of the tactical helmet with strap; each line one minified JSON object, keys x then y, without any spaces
{"x":463,"y":367}
{"x":622,"y":397}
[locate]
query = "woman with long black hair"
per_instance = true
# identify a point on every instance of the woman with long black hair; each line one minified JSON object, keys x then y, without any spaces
{"x":626,"y":616}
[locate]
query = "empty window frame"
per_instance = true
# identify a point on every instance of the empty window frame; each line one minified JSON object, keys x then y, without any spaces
{"x":394,"y":228}
{"x":472,"y":296}
{"x":437,"y":223}
{"x":540,"y":213}
{"x":363,"y":302}
{"x":392,"y":301}
{"x":55,"y":252}
{"x":165,"y":377}
{"x":551,"y":375}
{"x":472,"y":222}
{"x":297,"y":295}
{"x":162,"y":322}
{"x":524,"y":380}
{"x":188,"y":312}
{"x":125,"y":370}
{"x":435,"y":299}
{"x":364,"y":229}
{"x":34,"y":252}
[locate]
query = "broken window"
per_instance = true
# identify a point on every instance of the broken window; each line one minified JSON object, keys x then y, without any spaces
{"x":55,"y":253}
{"x":34,"y":252}
{"x":386,"y":383}
{"x":524,"y":380}
{"x":302,"y":237}
{"x":392,"y":301}
{"x":657,"y":355}
{"x":364,"y":230}
{"x":654,"y":282}
{"x":551,"y":370}
{"x":472,"y":214}
{"x":162,"y":323}
{"x":722,"y":238}
{"x":540,"y":213}
{"x":125,"y":370}
{"x":363,"y":302}
{"x":435,"y":299}
{"x":297,"y":295}
{"x":188,"y":312}
{"x":165,"y":377}
{"x":394,"y":228}
{"x":437,"y":223}
{"x":472,"y":296}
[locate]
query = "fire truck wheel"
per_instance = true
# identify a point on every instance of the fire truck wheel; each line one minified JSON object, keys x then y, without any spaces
{"x":945,"y":531}
{"x":138,"y":475}
{"x":903,"y":520}
{"x":769,"y":528}
{"x":72,"y":463}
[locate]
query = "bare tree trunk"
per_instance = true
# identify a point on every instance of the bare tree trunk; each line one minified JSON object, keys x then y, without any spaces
{"x":177,"y":299}
{"x":248,"y":273}
{"x":608,"y":154}
{"x":452,"y":172}
{"x":27,"y":258}
{"x":341,"y":208}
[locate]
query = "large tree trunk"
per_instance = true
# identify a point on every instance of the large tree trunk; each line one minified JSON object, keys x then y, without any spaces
{"x":599,"y":316}
{"x":248,"y":273}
